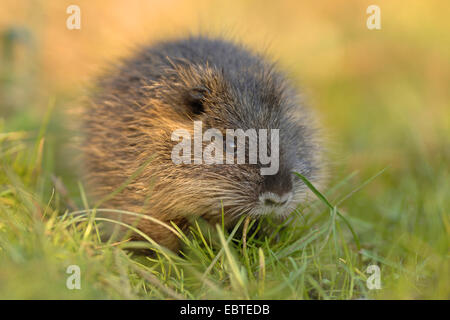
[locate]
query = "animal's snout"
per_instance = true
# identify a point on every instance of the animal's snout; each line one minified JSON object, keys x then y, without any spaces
{"x":278,"y":184}
{"x":276,"y":190}
{"x":270,"y":199}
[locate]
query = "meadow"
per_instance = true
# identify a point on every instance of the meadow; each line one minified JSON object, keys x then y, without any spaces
{"x":383,"y":100}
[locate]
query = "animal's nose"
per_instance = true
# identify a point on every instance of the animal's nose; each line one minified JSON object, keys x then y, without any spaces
{"x":277,"y":185}
{"x":270,"y":199}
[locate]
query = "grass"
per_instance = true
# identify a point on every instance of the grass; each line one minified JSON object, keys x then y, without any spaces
{"x":383,"y":101}
{"x":316,"y":255}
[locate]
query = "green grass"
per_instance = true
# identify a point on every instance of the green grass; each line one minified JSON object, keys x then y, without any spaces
{"x":402,"y":227}
{"x":383,"y":100}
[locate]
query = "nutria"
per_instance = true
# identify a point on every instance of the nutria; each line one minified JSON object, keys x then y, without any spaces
{"x":167,"y":86}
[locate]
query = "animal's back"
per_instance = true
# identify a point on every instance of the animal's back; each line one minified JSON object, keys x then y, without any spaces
{"x":153,"y":62}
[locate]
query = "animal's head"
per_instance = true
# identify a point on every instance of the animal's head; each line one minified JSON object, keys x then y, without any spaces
{"x":251,"y":131}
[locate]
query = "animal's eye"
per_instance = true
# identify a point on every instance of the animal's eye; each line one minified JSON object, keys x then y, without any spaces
{"x":195,"y":100}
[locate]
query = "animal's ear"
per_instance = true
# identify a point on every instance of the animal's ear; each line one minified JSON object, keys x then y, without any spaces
{"x":195,"y":100}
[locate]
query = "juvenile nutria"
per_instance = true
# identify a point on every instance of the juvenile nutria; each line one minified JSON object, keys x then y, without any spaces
{"x":170,"y":85}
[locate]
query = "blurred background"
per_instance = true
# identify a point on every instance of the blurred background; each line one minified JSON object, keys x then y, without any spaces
{"x":376,"y":91}
{"x":382,"y":96}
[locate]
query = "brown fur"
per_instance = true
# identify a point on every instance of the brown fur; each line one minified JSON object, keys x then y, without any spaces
{"x":144,"y":99}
